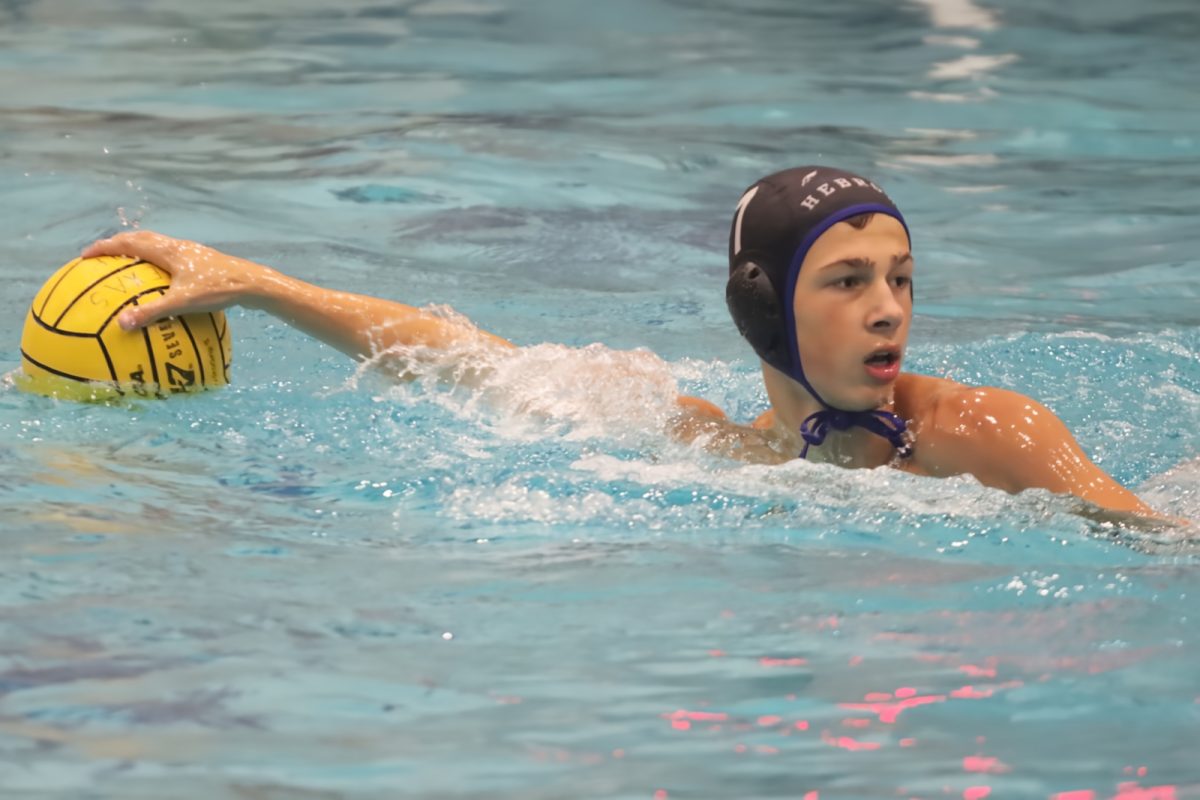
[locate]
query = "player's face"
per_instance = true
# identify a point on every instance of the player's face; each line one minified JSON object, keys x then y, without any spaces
{"x":853,"y":306}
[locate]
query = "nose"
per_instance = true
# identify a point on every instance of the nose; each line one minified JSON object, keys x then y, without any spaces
{"x":887,"y":311}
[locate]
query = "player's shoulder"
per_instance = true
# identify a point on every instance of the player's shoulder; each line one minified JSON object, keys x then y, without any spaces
{"x":930,"y":402}
{"x":962,"y":428}
{"x":698,"y":406}
{"x":921,"y":398}
{"x":988,"y":411}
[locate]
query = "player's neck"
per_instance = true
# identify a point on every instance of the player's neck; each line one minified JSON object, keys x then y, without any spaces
{"x":793,"y":404}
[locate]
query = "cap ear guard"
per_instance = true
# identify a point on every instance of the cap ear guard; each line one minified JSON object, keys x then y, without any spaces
{"x":754,"y":305}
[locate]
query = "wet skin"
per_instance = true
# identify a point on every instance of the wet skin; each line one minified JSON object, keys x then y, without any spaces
{"x":852,"y":308}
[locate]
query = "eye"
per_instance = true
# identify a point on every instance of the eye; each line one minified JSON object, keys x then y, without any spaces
{"x":847,"y":282}
{"x":902,"y":281}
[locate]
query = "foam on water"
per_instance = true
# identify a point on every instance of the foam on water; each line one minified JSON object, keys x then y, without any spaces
{"x":564,"y":437}
{"x":582,"y":433}
{"x":539,"y":391}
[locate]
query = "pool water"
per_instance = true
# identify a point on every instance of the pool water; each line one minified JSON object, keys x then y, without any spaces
{"x":318,"y":583}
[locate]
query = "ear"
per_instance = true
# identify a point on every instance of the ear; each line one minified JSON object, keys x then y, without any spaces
{"x":756,"y":310}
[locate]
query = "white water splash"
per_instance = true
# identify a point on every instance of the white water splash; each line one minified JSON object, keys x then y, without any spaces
{"x":1177,"y":491}
{"x":530,"y":393}
{"x":577,"y":406}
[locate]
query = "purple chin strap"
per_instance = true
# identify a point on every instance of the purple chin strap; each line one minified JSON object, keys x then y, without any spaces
{"x":816,"y":426}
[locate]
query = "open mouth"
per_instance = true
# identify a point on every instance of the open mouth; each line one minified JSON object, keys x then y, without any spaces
{"x":882,"y":358}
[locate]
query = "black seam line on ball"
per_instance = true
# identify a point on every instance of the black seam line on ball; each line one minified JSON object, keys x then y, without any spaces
{"x":62,"y":374}
{"x":59,"y":331}
{"x":61,"y":278}
{"x":131,"y":301}
{"x":220,"y":345}
{"x":199,"y":359}
{"x":93,"y":285}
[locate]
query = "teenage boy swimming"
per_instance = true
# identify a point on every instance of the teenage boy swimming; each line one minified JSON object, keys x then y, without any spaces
{"x":821,"y":286}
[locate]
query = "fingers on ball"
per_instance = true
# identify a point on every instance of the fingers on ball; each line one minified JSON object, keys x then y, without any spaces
{"x":135,"y":244}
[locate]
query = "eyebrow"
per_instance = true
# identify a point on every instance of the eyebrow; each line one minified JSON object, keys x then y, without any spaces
{"x":865,"y":263}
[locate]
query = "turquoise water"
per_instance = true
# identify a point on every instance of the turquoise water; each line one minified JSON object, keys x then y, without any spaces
{"x":315,"y":583}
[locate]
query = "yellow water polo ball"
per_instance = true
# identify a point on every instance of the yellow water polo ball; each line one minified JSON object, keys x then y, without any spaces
{"x":73,"y":348}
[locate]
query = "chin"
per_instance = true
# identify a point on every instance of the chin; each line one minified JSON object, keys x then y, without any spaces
{"x":867,"y":400}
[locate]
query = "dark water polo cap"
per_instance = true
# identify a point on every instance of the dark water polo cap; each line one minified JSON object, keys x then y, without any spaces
{"x":776,"y":223}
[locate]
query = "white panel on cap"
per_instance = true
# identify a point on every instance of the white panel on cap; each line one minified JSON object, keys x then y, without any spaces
{"x":737,"y":223}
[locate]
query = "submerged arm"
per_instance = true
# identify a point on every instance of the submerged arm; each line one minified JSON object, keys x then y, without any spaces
{"x":204,"y":279}
{"x":700,"y":420}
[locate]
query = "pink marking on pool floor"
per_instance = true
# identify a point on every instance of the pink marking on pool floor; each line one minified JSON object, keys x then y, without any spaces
{"x":802,"y":725}
{"x":877,"y":697}
{"x":978,"y":672}
{"x":680,"y":724}
{"x":848,"y":743}
{"x":856,"y":722}
{"x":971,"y":693}
{"x":976,"y":792}
{"x":767,"y":720}
{"x":908,"y":742}
{"x":1125,"y":791}
{"x":987,"y":764}
{"x":855,"y":661}
{"x":697,"y":716}
{"x":1131,"y":791}
{"x":767,"y":661}
{"x":661,"y":794}
{"x":888,"y":712}
{"x":905,"y":691}
{"x":811,"y":796}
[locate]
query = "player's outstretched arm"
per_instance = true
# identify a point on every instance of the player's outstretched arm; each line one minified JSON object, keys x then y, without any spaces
{"x":204,"y":279}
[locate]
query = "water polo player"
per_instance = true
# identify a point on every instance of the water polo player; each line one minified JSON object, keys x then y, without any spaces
{"x":821,"y":287}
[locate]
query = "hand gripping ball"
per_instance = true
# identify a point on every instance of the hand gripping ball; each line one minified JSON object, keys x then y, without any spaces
{"x":73,"y":348}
